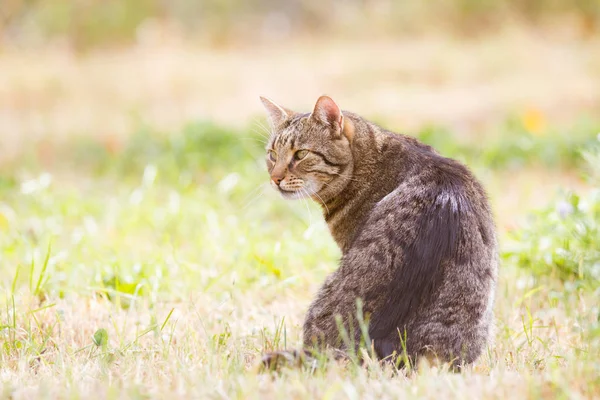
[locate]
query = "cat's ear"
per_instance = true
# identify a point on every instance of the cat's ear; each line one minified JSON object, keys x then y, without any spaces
{"x":277,"y":114}
{"x":328,"y":112}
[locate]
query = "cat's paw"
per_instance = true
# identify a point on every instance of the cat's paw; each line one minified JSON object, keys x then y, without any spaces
{"x":276,"y":360}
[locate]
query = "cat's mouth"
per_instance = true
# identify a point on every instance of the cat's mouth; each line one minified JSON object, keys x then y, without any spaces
{"x":294,"y":189}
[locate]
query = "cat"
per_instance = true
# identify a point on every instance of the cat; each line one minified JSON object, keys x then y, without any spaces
{"x":415,"y":229}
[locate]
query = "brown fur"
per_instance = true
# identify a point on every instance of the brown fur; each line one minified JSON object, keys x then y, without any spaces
{"x":415,"y":229}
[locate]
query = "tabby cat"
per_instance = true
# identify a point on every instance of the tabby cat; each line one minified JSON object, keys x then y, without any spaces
{"x":415,"y":229}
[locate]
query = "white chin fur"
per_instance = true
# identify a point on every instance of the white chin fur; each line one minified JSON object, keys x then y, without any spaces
{"x":303,"y":193}
{"x":297,"y":194}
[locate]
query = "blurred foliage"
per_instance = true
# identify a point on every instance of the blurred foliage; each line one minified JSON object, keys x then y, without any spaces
{"x":203,"y":152}
{"x":7,"y":182}
{"x":89,"y":23}
{"x":561,"y":240}
{"x":517,"y":145}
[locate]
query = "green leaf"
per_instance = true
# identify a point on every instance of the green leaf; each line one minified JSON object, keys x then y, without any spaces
{"x":101,"y":338}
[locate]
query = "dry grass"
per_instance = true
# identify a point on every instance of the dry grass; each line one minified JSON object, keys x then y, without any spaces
{"x":210,"y":345}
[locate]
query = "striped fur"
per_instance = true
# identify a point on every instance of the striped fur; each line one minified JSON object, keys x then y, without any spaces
{"x":415,"y":229}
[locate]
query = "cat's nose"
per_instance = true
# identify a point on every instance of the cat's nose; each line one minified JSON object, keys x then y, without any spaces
{"x":278,"y":174}
{"x":276,"y":179}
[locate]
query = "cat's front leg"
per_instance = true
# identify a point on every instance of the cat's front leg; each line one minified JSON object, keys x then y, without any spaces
{"x":320,"y":330}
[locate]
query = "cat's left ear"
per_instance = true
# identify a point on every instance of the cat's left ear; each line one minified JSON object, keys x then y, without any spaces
{"x":277,"y":114}
{"x":328,"y":112}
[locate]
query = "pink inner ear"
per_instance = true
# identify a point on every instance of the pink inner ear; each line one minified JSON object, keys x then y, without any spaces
{"x":327,"y":110}
{"x":277,"y":114}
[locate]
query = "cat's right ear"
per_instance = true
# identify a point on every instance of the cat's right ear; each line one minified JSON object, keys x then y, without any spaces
{"x":277,"y":114}
{"x":328,"y":112}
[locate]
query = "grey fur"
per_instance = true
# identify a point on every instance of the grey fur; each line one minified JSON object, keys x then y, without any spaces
{"x":415,"y":229}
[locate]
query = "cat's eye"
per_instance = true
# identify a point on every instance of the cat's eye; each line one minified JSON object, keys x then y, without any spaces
{"x":300,"y":154}
{"x":272,"y":155}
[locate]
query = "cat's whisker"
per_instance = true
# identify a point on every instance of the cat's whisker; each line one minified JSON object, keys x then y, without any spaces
{"x":253,"y":191}
{"x":322,"y":201}
{"x":253,"y":138}
{"x":302,"y":191}
{"x":257,"y":136}
{"x":266,"y":130}
{"x":254,"y":195}
{"x":260,"y":133}
{"x":249,"y":203}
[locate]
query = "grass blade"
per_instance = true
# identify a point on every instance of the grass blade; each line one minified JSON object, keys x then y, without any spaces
{"x":166,"y":319}
{"x":43,"y":271}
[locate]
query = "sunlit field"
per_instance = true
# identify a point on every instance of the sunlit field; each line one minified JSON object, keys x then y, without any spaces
{"x":143,"y":253}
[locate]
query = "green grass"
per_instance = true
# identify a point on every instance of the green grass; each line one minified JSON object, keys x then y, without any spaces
{"x":513,"y":146}
{"x":165,"y":267}
{"x":561,"y":240}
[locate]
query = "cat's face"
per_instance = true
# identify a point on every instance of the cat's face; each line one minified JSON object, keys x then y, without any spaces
{"x":309,"y":155}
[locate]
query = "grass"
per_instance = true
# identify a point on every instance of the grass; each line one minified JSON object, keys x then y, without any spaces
{"x":561,"y":239}
{"x":168,"y":267}
{"x":519,"y":142}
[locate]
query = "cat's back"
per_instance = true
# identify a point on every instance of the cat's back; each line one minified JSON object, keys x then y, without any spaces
{"x":438,"y":227}
{"x":428,"y":176}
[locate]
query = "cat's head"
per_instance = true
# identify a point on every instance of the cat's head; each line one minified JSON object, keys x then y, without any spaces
{"x":309,"y":155}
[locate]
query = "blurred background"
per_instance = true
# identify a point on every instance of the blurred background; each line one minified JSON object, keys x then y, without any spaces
{"x":99,"y":67}
{"x":132,"y":179}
